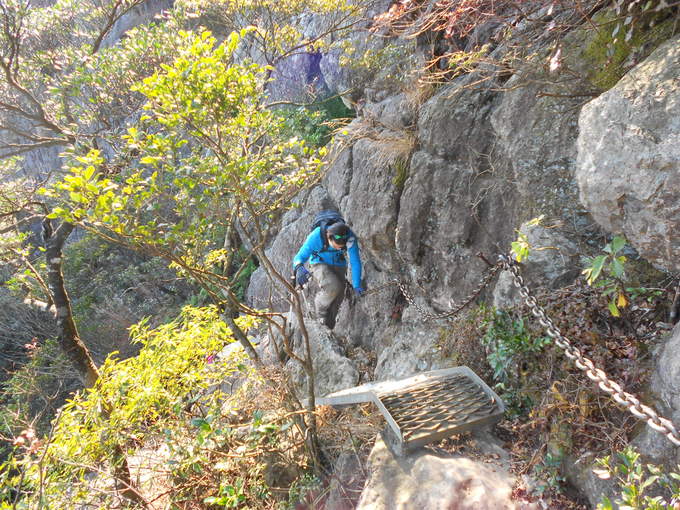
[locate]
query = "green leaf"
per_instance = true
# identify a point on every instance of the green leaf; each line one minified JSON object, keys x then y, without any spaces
{"x":605,"y":505}
{"x":617,"y":243}
{"x":149,"y":160}
{"x":613,"y":309}
{"x":616,"y":267}
{"x":596,"y":268}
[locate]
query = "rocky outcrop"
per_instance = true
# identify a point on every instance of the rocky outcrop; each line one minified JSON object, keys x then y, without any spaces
{"x":333,"y":371}
{"x":666,"y":392}
{"x":425,"y":479}
{"x":628,"y":168}
{"x":553,"y":263}
{"x":427,"y":184}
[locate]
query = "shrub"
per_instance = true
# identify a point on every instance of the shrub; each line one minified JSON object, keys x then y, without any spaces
{"x":213,"y":429}
{"x":511,"y":348}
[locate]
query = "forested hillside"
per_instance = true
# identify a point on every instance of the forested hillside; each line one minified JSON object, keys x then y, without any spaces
{"x":165,"y":334}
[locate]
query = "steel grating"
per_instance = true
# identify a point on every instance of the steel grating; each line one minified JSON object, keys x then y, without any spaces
{"x":427,"y":407}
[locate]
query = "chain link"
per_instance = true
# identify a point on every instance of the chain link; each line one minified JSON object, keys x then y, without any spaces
{"x":455,"y":309}
{"x":637,"y":409}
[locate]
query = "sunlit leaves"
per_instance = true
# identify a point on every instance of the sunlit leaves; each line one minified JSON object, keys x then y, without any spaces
{"x":205,"y":155}
{"x":521,"y":247}
{"x":635,"y":481}
{"x":611,"y":267}
{"x":141,"y":393}
{"x":278,"y":24}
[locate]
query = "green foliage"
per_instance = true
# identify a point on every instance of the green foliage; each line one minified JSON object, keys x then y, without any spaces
{"x":510,"y":347}
{"x":521,"y":247}
{"x":201,"y":161}
{"x":390,"y":65}
{"x":278,"y":31}
{"x":248,"y":266}
{"x":611,"y":268}
{"x":229,"y":496}
{"x":133,"y":401}
{"x":106,"y":79}
{"x":310,"y":126}
{"x":636,"y":481}
{"x":306,"y":484}
{"x":314,"y":124}
{"x":549,"y":475}
{"x":508,"y":339}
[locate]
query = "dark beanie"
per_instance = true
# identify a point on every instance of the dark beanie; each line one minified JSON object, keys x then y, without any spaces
{"x":339,"y":232}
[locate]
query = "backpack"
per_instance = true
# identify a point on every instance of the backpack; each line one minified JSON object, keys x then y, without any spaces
{"x":325,"y":219}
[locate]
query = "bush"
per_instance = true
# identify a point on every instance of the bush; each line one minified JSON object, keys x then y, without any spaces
{"x":637,"y":481}
{"x":511,"y":350}
{"x":315,"y":123}
{"x":188,"y":419}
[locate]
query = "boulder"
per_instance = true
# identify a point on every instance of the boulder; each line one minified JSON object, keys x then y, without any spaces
{"x":666,"y":393}
{"x":425,"y":480}
{"x":552,"y":263}
{"x":406,"y":350}
{"x":628,"y":165}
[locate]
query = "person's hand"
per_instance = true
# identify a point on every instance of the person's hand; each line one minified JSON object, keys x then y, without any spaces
{"x":359,"y":291}
{"x":301,"y":275}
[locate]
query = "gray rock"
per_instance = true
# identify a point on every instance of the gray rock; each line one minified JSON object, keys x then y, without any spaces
{"x":579,"y":472}
{"x":552,"y":263}
{"x":423,"y":480}
{"x":371,"y":204}
{"x":408,"y":349}
{"x":333,"y":371}
{"x":666,"y":393}
{"x":628,"y":167}
{"x":537,"y":135}
{"x":394,"y":113}
{"x":298,"y":78}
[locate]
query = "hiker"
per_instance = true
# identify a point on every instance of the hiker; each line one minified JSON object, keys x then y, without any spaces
{"x":325,"y":249}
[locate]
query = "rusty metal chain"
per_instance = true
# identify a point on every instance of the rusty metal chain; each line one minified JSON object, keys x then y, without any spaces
{"x":637,"y":409}
{"x":457,"y":307}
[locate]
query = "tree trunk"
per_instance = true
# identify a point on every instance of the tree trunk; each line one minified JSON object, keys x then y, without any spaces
{"x":70,"y":342}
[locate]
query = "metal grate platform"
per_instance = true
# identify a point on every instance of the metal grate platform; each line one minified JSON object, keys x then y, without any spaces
{"x":427,"y":407}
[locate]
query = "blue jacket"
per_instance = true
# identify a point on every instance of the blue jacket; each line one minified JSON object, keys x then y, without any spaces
{"x":312,"y":251}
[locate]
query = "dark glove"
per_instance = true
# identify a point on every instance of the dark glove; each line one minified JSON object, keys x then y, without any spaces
{"x":301,"y":275}
{"x":359,"y":291}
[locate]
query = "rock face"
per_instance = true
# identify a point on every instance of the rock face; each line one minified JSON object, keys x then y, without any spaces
{"x":298,"y":78}
{"x":629,"y":157}
{"x":666,"y":390}
{"x":427,"y":183}
{"x":424,"y":480}
{"x":551,"y":264}
{"x":333,"y":371}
